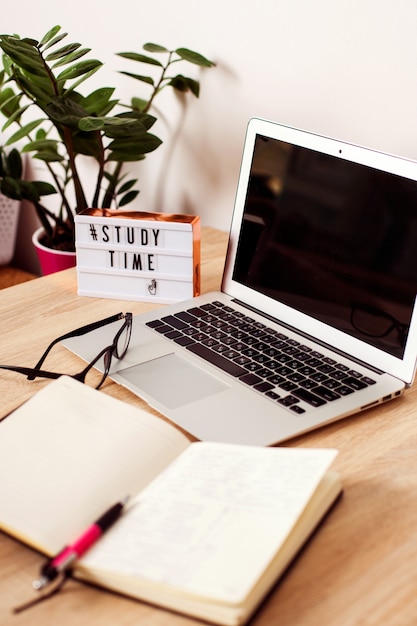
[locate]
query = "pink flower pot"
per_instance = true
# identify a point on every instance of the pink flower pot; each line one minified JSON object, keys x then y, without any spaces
{"x":52,"y":260}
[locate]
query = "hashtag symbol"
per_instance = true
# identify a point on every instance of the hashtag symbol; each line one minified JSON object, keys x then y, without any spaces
{"x":93,"y":232}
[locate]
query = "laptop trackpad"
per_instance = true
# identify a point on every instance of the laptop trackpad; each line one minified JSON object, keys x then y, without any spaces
{"x":172,"y":381}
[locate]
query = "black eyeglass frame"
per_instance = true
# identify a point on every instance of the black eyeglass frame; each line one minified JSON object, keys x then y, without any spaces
{"x":392,"y":322}
{"x":107,"y":353}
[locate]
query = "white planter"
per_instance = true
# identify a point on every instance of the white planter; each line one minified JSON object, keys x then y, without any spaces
{"x":9,"y":217}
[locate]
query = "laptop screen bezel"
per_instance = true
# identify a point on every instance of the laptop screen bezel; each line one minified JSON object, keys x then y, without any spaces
{"x":402,"y":368}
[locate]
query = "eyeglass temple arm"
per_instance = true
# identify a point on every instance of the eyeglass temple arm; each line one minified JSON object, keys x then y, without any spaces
{"x":83,"y":330}
{"x":33,"y":372}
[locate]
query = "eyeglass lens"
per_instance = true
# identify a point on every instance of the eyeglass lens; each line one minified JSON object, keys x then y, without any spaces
{"x":118,"y":348}
{"x":122,"y":339}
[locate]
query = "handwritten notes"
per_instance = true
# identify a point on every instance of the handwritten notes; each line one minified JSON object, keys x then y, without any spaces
{"x":194,"y":527}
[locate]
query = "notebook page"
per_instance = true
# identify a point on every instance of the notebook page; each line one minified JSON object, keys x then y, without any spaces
{"x":69,"y":453}
{"x":210,"y":523}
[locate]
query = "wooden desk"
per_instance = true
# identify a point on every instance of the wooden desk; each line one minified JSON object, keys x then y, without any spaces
{"x":360,"y":569}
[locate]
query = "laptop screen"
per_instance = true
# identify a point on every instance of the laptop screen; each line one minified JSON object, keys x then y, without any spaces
{"x":333,"y":239}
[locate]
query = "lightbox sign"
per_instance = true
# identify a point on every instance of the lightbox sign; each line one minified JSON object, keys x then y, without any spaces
{"x":132,"y":255}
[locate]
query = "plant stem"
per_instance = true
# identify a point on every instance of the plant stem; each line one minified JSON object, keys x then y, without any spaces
{"x":158,"y":85}
{"x":111,"y":187}
{"x":100,"y":171}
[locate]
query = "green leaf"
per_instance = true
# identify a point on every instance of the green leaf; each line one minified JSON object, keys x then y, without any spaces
{"x":43,"y":189}
{"x":128,"y":197}
{"x":91,"y":124}
{"x":124,"y":157}
{"x":14,"y":162}
{"x":29,"y":190}
{"x":70,"y":58}
{"x":10,"y":188}
{"x":7,"y":64}
{"x":154,"y":47}
{"x":40,"y":90}
{"x":182,"y":83}
{"x":50,"y":35}
{"x":138,"y":104}
{"x":56,"y":40}
{"x":146,"y":120}
{"x":141,"y":58}
{"x":40,"y":134}
{"x":88,"y":124}
{"x":89,"y":144}
{"x":193,"y":57}
{"x":48,"y":156}
{"x":9,"y":104}
{"x":79,"y":69}
{"x":82,"y":79}
{"x":30,"y":41}
{"x":127,"y":186}
{"x":15,"y":45}
{"x":26,"y":56}
{"x":24,"y":131}
{"x":16,"y":117}
{"x":66,"y":112}
{"x":144,"y":79}
{"x":30,"y":65}
{"x":129,"y":129}
{"x":6,"y":95}
{"x":63,"y":52}
{"x":99,"y":100}
{"x":40,"y":145}
{"x":140,"y":144}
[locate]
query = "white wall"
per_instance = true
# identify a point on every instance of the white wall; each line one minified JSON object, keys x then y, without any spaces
{"x":345,"y":68}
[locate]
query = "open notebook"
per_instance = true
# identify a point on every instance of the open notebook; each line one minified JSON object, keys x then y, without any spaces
{"x":316,"y":318}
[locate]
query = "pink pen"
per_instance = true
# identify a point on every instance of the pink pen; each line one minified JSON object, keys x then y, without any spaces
{"x":64,"y":559}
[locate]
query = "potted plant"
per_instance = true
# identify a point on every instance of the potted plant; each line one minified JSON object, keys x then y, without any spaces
{"x":57,"y":125}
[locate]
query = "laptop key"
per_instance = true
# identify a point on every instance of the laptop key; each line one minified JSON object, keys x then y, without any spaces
{"x":287,"y":385}
{"x":217,"y":359}
{"x":264,"y":386}
{"x":288,"y":400}
{"x":307,"y":396}
{"x":174,"y":321}
{"x":355,"y":383}
{"x":326,"y":394}
{"x":344,"y":390}
{"x":184,"y":340}
{"x":297,"y":409}
{"x":210,"y":342}
{"x":272,"y":394}
{"x":197,"y":311}
{"x":185,"y":317}
{"x":163,"y":329}
{"x":153,"y":323}
{"x":250,"y":379}
{"x":368,"y":381}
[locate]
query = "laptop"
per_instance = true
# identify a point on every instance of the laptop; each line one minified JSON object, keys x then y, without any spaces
{"x":316,"y":318}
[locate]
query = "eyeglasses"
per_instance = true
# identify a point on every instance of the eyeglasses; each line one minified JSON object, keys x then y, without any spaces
{"x":117,"y":348}
{"x":374,"y":322}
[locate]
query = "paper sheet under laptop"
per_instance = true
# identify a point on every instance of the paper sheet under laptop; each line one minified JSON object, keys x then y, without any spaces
{"x":323,"y":250}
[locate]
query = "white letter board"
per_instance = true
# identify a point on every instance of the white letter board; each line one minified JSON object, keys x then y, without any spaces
{"x":132,"y":255}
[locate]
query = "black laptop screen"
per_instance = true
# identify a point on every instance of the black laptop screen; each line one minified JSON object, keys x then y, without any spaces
{"x":332,"y":239}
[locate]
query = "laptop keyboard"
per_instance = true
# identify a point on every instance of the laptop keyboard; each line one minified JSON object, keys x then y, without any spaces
{"x":281,"y":368}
